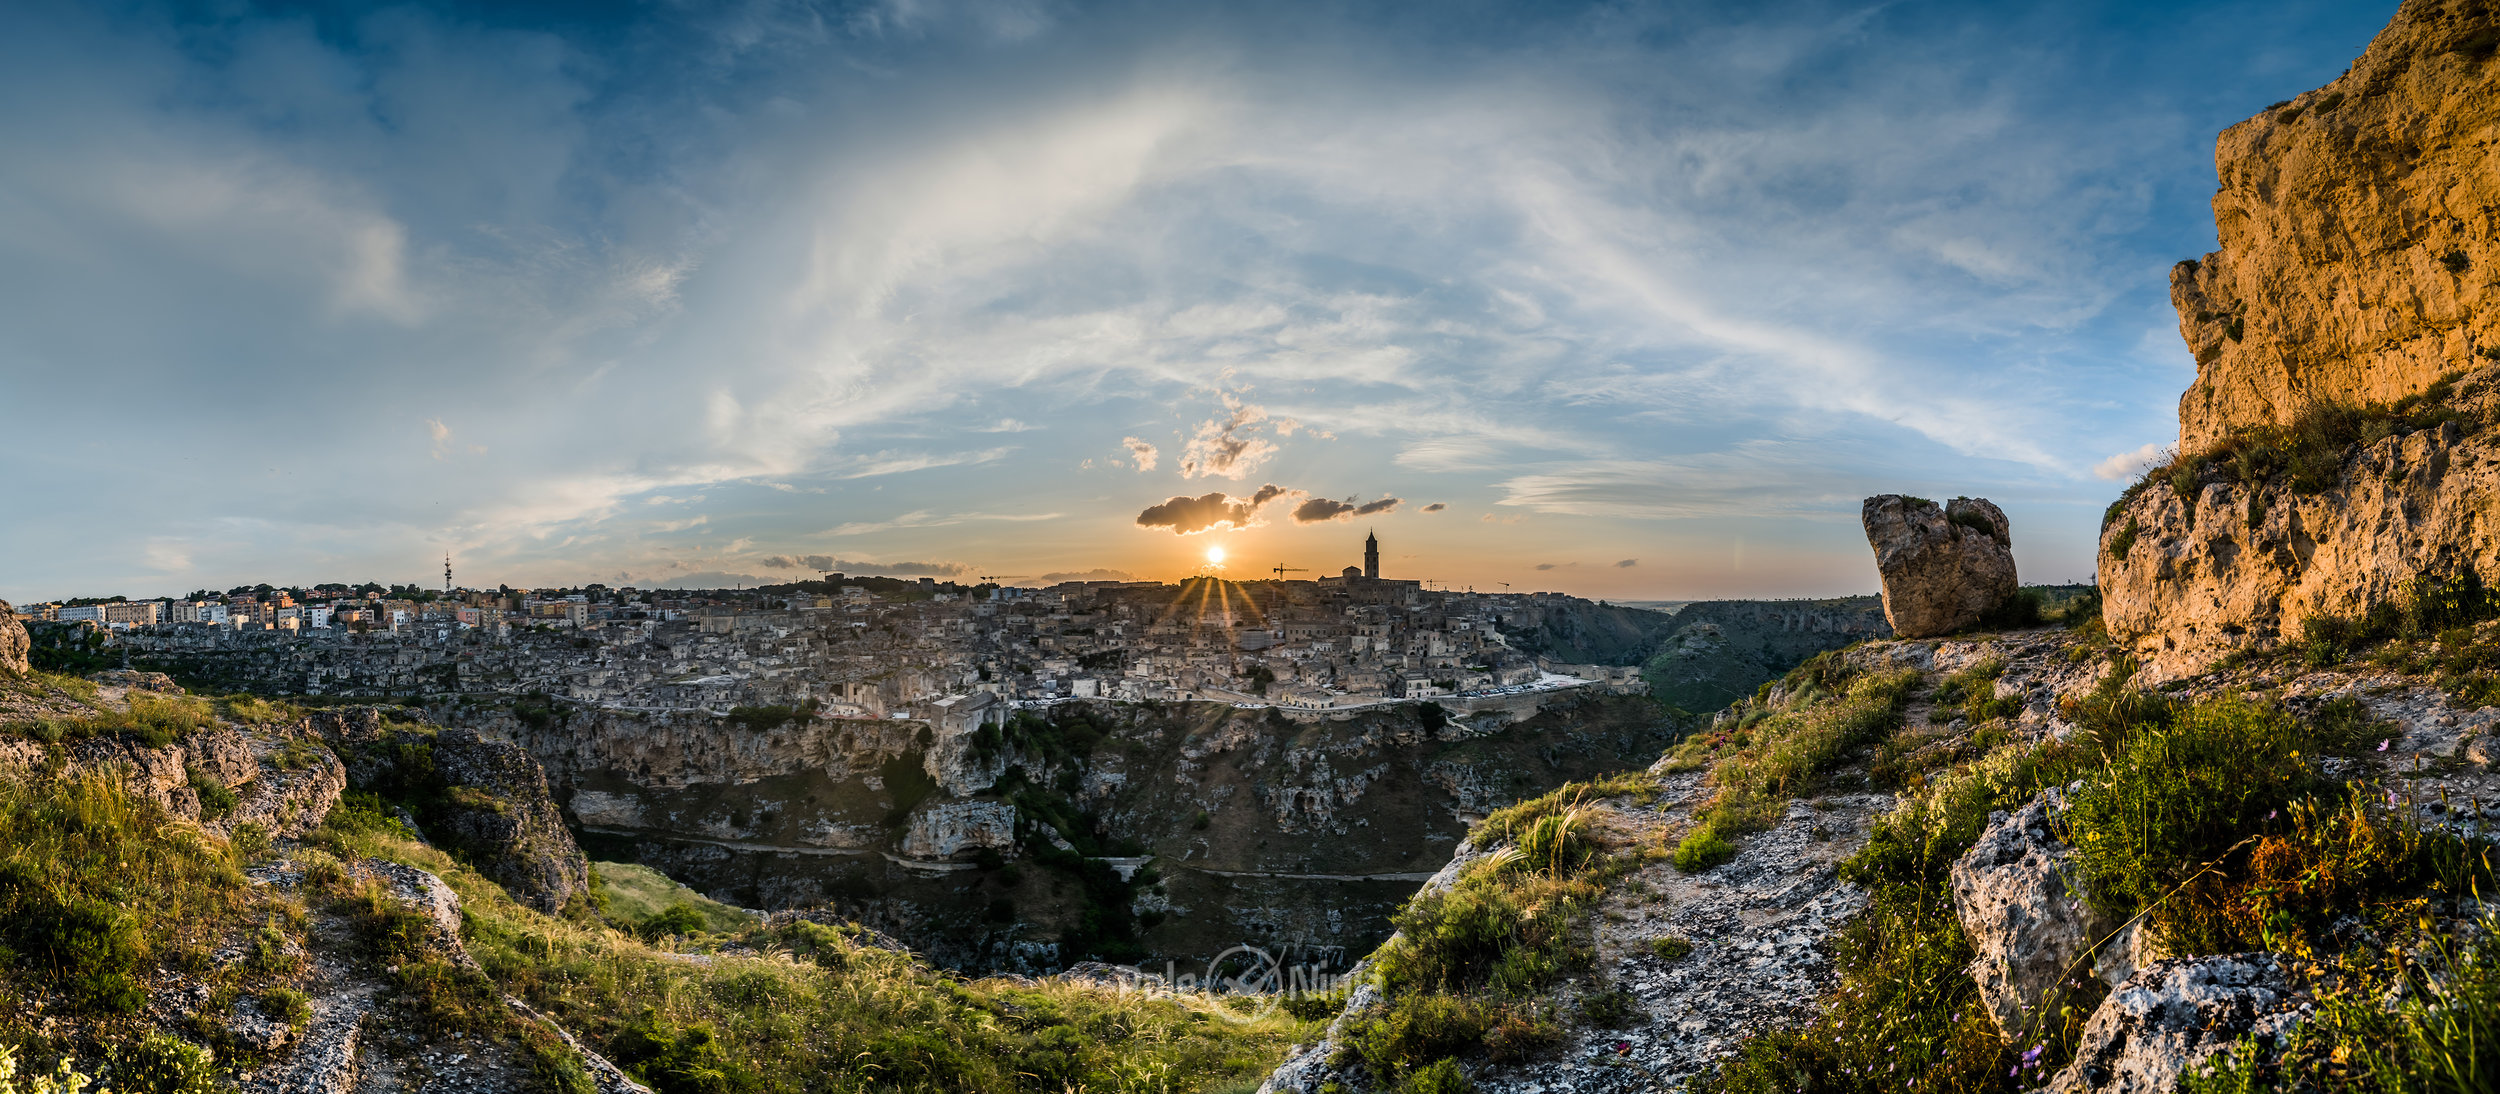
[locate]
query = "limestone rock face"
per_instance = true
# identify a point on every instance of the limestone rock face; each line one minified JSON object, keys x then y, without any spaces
{"x":1945,"y":568}
{"x":2360,"y":233}
{"x":13,"y":641}
{"x":501,"y":813}
{"x":2174,"y":1013}
{"x":2031,"y":930}
{"x":946,"y":830}
{"x":2186,"y":580}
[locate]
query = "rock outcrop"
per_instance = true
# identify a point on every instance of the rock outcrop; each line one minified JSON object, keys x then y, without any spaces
{"x":501,"y":815}
{"x":484,"y":797}
{"x":1945,"y":568}
{"x":2357,"y":265}
{"x":944,"y":831}
{"x":2187,"y":579}
{"x":2172,"y":1014}
{"x":13,"y":641}
{"x":2360,"y":233}
{"x":2033,"y":932}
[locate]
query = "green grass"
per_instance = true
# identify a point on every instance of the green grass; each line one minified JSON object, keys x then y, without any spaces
{"x":2308,"y":454}
{"x":1475,"y":969}
{"x":2211,"y":819}
{"x":637,"y":893}
{"x":2441,"y":1036}
{"x":156,"y":720}
{"x":809,"y":1008}
{"x":98,"y":888}
{"x":1794,"y":750}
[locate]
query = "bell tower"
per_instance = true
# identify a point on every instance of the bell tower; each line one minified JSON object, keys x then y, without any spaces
{"x":1371,"y":556}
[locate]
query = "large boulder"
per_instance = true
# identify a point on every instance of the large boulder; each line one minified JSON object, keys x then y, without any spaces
{"x":13,"y":643}
{"x":2173,"y":1014}
{"x":1946,"y":568}
{"x":2033,"y":932}
{"x":2360,"y":233}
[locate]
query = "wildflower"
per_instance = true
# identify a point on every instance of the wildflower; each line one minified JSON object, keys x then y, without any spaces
{"x":2382,"y":745}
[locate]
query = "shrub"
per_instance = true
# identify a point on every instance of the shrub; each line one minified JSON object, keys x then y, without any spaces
{"x":1669,"y":948}
{"x":1416,"y":1030}
{"x":215,"y":800}
{"x":89,"y":875}
{"x":2440,"y":1035}
{"x":680,"y":919}
{"x":163,"y":1064}
{"x":2174,"y":797}
{"x":1439,"y":1077}
{"x":2023,"y":609}
{"x":1701,"y":849}
{"x":92,"y":948}
{"x":676,"y":1061}
{"x":62,"y":1079}
{"x":2124,"y":541}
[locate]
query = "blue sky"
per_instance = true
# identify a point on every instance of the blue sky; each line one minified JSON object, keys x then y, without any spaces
{"x":1626,"y":300}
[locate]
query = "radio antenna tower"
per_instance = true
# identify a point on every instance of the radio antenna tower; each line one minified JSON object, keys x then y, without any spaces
{"x":446,"y":573}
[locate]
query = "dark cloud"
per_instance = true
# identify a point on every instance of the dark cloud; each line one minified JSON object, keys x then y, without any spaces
{"x":1317,"y":510}
{"x":830,"y":564}
{"x":1627,"y":564}
{"x":1435,"y":507}
{"x":1545,"y":565}
{"x":1186,"y":515}
{"x":1229,"y":447}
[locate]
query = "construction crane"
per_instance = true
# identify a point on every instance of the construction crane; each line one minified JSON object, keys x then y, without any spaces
{"x":1281,"y":571}
{"x":1505,"y":586}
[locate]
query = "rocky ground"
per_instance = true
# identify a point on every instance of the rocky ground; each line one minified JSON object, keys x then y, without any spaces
{"x":1760,"y":927}
{"x":349,"y":1031}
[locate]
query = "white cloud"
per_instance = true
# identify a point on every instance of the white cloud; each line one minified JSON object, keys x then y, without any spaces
{"x":2132,"y":464}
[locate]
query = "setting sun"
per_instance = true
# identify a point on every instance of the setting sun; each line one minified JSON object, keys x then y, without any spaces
{"x":1215,"y":556}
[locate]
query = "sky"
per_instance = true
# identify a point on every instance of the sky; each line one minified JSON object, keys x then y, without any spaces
{"x":1634,"y":301}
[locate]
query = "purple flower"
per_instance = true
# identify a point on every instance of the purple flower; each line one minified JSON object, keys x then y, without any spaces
{"x":2271,"y":812}
{"x":2382,"y":745}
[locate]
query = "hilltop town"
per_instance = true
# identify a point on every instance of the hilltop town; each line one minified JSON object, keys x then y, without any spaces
{"x":859,"y":646}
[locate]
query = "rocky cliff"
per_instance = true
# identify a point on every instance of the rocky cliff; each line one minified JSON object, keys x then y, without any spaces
{"x":1147,"y":832}
{"x":2334,"y":463}
{"x":2217,"y":556}
{"x":2360,"y":233}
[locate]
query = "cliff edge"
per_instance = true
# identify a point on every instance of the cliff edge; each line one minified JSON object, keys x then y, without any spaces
{"x":2357,"y":228}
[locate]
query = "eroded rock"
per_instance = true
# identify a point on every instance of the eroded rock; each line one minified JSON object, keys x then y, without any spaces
{"x":949,"y":829}
{"x":13,"y":641}
{"x":2357,"y":242}
{"x":2172,"y":1014}
{"x":2187,"y":579}
{"x":2033,"y":931}
{"x":501,"y":814}
{"x":1945,"y":568}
